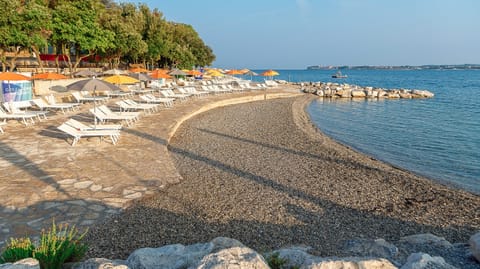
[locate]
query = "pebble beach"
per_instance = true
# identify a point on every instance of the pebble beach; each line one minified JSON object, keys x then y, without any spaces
{"x":262,"y":173}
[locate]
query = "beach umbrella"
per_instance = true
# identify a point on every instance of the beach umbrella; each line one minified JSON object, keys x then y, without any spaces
{"x":13,"y":76}
{"x":177,"y":72}
{"x":120,"y":79}
{"x":160,"y":74}
{"x":92,"y":85}
{"x":214,"y":73}
{"x":115,"y":72}
{"x":138,"y":70}
{"x":85,"y":73}
{"x":234,"y":72}
{"x":269,"y":73}
{"x":194,"y":73}
{"x":49,"y":76}
{"x":250,"y":73}
{"x":58,"y":88}
{"x":140,"y":76}
{"x":244,"y":71}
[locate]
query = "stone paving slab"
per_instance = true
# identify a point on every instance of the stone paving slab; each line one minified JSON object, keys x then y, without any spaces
{"x":42,"y":177}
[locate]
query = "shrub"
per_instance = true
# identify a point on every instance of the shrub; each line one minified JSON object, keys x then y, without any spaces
{"x":58,"y":245}
{"x":16,"y":250}
{"x":275,"y":262}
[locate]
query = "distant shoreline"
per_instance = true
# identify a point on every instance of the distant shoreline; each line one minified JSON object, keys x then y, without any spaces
{"x":399,"y":67}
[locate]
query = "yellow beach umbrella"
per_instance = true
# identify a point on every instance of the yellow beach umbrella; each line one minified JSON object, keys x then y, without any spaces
{"x":120,"y":79}
{"x":214,"y":73}
{"x":270,"y":73}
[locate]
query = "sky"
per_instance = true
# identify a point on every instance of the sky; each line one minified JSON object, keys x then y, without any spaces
{"x":294,"y":34}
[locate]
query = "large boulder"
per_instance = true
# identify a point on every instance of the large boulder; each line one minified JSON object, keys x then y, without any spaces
{"x":293,"y":256}
{"x":425,"y":261}
{"x":358,"y":93}
{"x":178,"y":256}
{"x":348,"y":263}
{"x":422,"y":93}
{"x":28,"y":263}
{"x":427,"y":238}
{"x":475,"y":245}
{"x":378,"y":248}
{"x":100,"y":263}
{"x":168,"y":257}
{"x":235,"y":258}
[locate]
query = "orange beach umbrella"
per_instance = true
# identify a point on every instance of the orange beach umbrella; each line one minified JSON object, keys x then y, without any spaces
{"x":234,"y":72}
{"x":194,"y":73}
{"x":13,"y":76}
{"x":160,"y":73}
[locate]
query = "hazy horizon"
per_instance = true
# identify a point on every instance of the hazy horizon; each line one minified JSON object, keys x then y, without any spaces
{"x":299,"y":33}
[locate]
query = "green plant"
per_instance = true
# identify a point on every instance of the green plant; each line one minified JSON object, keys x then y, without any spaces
{"x":59,"y":245}
{"x":275,"y":262}
{"x":16,"y":250}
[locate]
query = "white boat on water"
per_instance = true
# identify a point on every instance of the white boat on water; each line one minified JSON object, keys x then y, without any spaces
{"x":339,"y":75}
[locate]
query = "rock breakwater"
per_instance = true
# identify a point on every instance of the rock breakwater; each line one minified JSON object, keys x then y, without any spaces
{"x":336,"y":90}
{"x":419,"y":251}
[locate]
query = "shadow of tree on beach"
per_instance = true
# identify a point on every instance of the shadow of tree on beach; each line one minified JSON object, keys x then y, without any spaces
{"x":30,"y":220}
{"x":284,"y":149}
{"x":17,"y":159}
{"x":197,"y":210}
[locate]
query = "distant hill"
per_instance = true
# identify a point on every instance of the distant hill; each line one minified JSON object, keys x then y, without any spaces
{"x":400,"y":67}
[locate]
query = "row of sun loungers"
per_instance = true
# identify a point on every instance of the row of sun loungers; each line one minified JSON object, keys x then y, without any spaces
{"x":129,"y":113}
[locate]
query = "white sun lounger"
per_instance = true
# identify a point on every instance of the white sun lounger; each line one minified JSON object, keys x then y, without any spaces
{"x":167,"y":102}
{"x":130,"y":105}
{"x":77,"y":133}
{"x":103,"y":117}
{"x":86,"y":127}
{"x":25,"y":119}
{"x":40,"y":103}
{"x":13,"y":108}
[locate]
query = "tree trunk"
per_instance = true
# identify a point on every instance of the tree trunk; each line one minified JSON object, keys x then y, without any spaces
{"x":3,"y":59}
{"x":78,"y":60}
{"x":37,"y":53}
{"x":13,"y":60}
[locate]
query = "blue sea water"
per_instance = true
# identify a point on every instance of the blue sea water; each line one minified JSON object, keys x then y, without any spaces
{"x":438,"y":138}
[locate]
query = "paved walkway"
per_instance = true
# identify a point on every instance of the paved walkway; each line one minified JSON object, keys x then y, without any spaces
{"x":43,"y":178}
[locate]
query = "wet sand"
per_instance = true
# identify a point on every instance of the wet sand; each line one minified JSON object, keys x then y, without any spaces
{"x":261,"y":173}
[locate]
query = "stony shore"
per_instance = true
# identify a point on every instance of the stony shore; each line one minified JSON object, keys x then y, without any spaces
{"x":261,"y":173}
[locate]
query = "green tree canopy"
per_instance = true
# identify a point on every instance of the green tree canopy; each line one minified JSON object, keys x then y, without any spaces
{"x":120,"y":33}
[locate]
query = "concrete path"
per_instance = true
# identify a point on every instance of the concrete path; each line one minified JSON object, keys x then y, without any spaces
{"x":42,"y":177}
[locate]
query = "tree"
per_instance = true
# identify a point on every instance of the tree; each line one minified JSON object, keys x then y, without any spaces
{"x":36,"y":18}
{"x":126,"y":24}
{"x":13,"y":38}
{"x":76,"y":31}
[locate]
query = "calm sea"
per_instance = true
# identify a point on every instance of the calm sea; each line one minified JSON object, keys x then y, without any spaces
{"x":438,"y":138}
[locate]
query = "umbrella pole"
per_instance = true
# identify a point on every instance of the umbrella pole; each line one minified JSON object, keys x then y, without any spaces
{"x":94,"y":108}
